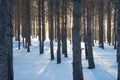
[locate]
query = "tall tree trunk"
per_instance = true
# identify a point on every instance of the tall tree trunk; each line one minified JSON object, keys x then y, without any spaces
{"x":23,"y":21}
{"x":58,"y":31}
{"x":76,"y":39}
{"x":62,"y":24}
{"x":39,"y":24}
{"x":43,"y":26}
{"x":101,"y":17}
{"x":84,"y":24}
{"x":93,"y":21}
{"x":89,"y":33}
{"x":6,"y":48}
{"x":28,"y":25}
{"x":64,"y":27}
{"x":18,"y":22}
{"x":96,"y":24}
{"x":115,"y":25}
{"x":109,"y":22}
{"x":65,"y":30}
{"x":118,"y":39}
{"x":51,"y":28}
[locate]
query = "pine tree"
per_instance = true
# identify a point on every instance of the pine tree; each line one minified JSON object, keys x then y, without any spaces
{"x":89,"y":38}
{"x":58,"y":31}
{"x":51,"y":28}
{"x":76,"y":39}
{"x":118,"y":39}
{"x":6,"y":48}
{"x":101,"y":17}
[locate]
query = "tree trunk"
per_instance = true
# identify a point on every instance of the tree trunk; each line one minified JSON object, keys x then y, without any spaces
{"x":85,"y":35}
{"x":51,"y":28}
{"x":43,"y":27}
{"x":101,"y":17}
{"x":28,"y":25}
{"x":58,"y":31}
{"x":76,"y":39}
{"x":18,"y":22}
{"x":118,"y":39}
{"x":115,"y":25}
{"x":6,"y":48}
{"x":39,"y":24}
{"x":64,"y":27}
{"x":109,"y":22}
{"x":89,"y":33}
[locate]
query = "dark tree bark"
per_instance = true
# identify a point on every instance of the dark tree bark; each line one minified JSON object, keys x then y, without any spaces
{"x":101,"y":17}
{"x":84,"y":24}
{"x":93,"y":20}
{"x":58,"y":31}
{"x":18,"y":22}
{"x":51,"y":28}
{"x":109,"y":22}
{"x":118,"y":39}
{"x":76,"y":39}
{"x":65,"y":30}
{"x":28,"y":25}
{"x":55,"y":27}
{"x":6,"y":48}
{"x":115,"y":25}
{"x":43,"y":26}
{"x":39,"y":24}
{"x":89,"y":38}
{"x":62,"y":24}
{"x":23,"y":21}
{"x":64,"y":27}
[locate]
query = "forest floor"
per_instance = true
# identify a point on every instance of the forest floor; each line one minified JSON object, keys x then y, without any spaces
{"x":35,"y":66}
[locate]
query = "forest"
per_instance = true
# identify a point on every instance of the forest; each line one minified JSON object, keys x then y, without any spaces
{"x":57,"y":30}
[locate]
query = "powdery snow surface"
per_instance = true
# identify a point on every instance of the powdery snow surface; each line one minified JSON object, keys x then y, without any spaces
{"x":35,"y":66}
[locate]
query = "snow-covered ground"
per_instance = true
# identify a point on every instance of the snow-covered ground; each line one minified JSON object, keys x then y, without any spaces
{"x":35,"y":66}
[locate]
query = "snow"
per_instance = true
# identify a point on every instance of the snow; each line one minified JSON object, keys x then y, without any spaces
{"x":35,"y":66}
